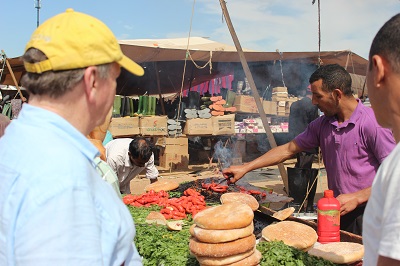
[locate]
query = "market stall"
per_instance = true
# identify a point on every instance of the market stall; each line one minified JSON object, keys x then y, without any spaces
{"x":185,"y":239}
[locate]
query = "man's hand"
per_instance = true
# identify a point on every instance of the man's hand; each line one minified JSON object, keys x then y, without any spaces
{"x":234,"y":173}
{"x":153,"y":180}
{"x":350,"y":201}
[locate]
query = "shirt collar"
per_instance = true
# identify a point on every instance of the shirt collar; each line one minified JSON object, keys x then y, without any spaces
{"x":52,"y":121}
{"x":355,"y":116}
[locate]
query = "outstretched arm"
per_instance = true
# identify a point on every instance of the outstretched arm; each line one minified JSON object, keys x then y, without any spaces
{"x":272,"y":157}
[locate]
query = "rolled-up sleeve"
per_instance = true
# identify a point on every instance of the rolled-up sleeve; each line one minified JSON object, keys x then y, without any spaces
{"x":151,"y":170}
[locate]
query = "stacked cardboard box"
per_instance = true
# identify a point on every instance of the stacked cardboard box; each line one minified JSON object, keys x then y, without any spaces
{"x":124,"y":126}
{"x":216,"y":125}
{"x":280,"y":95}
{"x":153,"y":125}
{"x":247,"y":104}
{"x":283,"y":100}
{"x":174,"y":152}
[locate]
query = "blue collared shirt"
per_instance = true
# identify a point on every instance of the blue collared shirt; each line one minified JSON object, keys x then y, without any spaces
{"x":54,"y":207}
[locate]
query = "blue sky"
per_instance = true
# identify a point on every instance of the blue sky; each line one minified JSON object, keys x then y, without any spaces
{"x":264,"y":25}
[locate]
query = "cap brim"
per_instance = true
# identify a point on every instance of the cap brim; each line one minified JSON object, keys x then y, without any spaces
{"x":131,"y":66}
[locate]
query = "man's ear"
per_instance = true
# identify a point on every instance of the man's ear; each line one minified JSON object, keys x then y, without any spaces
{"x":337,"y":93}
{"x":90,"y":81}
{"x":377,"y":70}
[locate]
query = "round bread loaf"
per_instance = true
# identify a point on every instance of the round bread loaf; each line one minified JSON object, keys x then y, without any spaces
{"x":220,"y":236}
{"x":219,"y":250}
{"x":294,"y":234}
{"x":339,"y":252}
{"x":164,"y":184}
{"x":237,"y":197}
{"x":224,"y":260}
{"x":225,"y":216}
{"x":283,"y":214}
{"x":252,"y":260}
{"x":156,"y":218}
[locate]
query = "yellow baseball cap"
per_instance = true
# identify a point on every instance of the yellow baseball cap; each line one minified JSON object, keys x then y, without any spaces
{"x":72,"y":40}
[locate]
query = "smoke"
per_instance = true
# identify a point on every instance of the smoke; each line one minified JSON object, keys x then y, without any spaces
{"x":222,"y":154}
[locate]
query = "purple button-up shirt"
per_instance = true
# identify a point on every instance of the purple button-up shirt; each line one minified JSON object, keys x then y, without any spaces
{"x":352,"y":151}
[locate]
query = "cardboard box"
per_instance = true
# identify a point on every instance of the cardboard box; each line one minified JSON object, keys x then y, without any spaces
{"x":269,"y":107}
{"x":279,"y":89}
{"x":198,"y":126}
{"x":153,"y":125}
{"x":276,"y":98}
{"x":223,"y":125}
{"x":245,"y":104}
{"x":173,"y":145}
{"x":174,"y":161}
{"x":124,"y":126}
{"x":280,"y":113}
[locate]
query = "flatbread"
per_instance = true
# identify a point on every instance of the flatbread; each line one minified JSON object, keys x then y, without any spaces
{"x":220,"y":236}
{"x":156,"y":218}
{"x":224,"y":260}
{"x":220,"y":250}
{"x":293,"y":234}
{"x":252,"y":260}
{"x":339,"y":252}
{"x":164,"y":184}
{"x":240,"y":197}
{"x":283,"y":214}
{"x":225,"y":216}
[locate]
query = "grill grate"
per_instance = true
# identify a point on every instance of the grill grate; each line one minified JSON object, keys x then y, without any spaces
{"x":210,"y":196}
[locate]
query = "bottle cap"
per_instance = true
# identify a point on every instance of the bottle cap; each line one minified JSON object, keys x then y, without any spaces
{"x":328,"y":193}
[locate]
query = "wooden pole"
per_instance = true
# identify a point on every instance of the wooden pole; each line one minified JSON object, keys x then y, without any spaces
{"x":250,"y":79}
{"x":13,"y":77}
{"x":159,"y":88}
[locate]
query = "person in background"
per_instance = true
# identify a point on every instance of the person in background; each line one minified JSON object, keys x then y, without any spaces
{"x":107,"y":138}
{"x":128,"y":157}
{"x":4,"y":122}
{"x":302,"y":113}
{"x":352,"y":144}
{"x":54,"y":207}
{"x":382,"y":215}
{"x":96,"y":137}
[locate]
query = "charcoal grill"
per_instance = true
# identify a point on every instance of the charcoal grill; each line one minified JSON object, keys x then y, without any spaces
{"x":212,"y":197}
{"x":261,"y":220}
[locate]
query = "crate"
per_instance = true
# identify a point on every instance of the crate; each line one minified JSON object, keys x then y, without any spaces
{"x":124,"y":126}
{"x":153,"y":125}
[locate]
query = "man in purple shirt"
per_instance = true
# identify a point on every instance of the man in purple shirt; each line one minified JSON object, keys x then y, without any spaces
{"x":352,"y":143}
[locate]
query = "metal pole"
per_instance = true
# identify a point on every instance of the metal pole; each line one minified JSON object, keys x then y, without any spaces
{"x":37,"y":6}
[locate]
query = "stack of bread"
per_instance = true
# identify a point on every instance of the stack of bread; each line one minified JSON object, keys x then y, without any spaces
{"x":237,"y":197}
{"x":223,"y":235}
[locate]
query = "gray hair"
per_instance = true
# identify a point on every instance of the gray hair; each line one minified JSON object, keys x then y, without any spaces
{"x":53,"y":83}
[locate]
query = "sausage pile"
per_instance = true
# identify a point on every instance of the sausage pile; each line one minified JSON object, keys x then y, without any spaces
{"x":173,"y":208}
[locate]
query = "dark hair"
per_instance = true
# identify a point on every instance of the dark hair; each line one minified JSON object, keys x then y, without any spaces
{"x":387,"y":43}
{"x":333,"y":77}
{"x":141,"y":148}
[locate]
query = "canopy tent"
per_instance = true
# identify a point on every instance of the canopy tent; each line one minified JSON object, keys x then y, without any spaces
{"x":166,"y":58}
{"x":172,"y":64}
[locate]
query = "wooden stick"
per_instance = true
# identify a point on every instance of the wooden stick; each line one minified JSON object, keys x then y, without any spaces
{"x":253,"y":87}
{"x":13,"y":76}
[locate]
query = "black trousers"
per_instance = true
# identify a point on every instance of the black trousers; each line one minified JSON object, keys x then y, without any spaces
{"x":353,"y":221}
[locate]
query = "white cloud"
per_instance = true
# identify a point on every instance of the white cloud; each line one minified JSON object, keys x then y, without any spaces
{"x":292,"y":25}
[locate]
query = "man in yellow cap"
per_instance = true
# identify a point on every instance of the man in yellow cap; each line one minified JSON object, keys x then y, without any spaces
{"x":54,"y":207}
